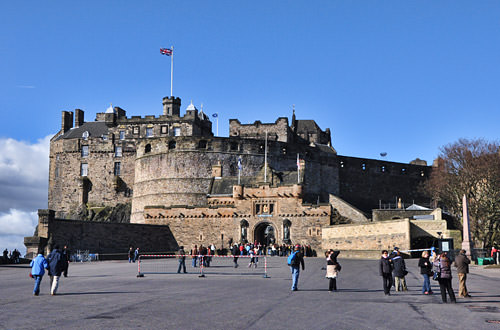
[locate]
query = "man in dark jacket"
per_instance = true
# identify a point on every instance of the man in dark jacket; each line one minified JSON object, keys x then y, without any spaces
{"x":298,"y":261}
{"x":65,"y":253}
{"x":182,"y":259}
{"x":385,"y":270}
{"x":56,"y":267}
{"x":462,"y":264}
{"x":236,"y":253}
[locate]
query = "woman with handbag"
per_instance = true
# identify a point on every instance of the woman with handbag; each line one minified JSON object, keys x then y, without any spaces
{"x":426,"y":271}
{"x":332,"y":269}
{"x":443,"y":264}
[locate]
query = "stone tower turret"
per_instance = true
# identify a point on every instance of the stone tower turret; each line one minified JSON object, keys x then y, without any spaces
{"x":171,"y":106}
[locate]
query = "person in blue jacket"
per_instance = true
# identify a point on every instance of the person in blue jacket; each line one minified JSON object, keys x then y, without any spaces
{"x":38,"y":266}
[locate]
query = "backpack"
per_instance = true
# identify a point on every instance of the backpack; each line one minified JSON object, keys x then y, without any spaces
{"x":292,"y":259}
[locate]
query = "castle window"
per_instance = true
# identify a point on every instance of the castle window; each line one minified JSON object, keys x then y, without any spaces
{"x":56,"y":172}
{"x":171,"y":145}
{"x":118,"y":168}
{"x":262,"y":148}
{"x":382,"y":168}
{"x":118,"y":151}
{"x":201,"y":237}
{"x":84,"y":169}
{"x":422,"y":173}
{"x":85,"y":135}
{"x":147,"y":148}
{"x":122,"y":135}
{"x":234,"y":146}
{"x":135,"y":130}
{"x":363,"y":167}
{"x":164,"y":129}
{"x":342,"y":163}
{"x":149,"y":131}
{"x":177,"y":131}
{"x":202,"y":144}
{"x":284,"y":150}
{"x":403,"y":170}
{"x":85,"y":151}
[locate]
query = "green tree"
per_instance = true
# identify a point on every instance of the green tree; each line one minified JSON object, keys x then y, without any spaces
{"x":470,"y":167}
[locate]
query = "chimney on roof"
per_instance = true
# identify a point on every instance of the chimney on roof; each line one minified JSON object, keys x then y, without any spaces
{"x":67,"y":121}
{"x":79,"y":114}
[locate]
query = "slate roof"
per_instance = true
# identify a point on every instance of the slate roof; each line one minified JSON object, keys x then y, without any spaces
{"x":95,"y":129}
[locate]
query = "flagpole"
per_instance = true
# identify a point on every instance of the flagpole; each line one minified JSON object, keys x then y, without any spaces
{"x":239,"y":170}
{"x":172,"y":73}
{"x":298,"y":169}
{"x":265,"y":161}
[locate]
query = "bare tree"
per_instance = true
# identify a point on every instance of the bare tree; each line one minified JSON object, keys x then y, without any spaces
{"x":470,"y":167}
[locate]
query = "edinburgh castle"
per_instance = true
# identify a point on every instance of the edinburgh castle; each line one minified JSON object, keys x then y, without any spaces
{"x":163,"y":181}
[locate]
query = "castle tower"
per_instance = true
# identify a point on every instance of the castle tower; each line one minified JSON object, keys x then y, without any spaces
{"x":171,"y":106}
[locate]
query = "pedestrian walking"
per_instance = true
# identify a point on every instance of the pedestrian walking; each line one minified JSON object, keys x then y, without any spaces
{"x":38,"y":266}
{"x":66,"y":259}
{"x":236,"y":253}
{"x":462,"y":264}
{"x":442,"y":265}
{"x":494,"y":254}
{"x":56,"y":267}
{"x":136,"y":254}
{"x":130,"y":254}
{"x":426,"y":270}
{"x":332,"y":269}
{"x":194,"y":255}
{"x":252,"y":259}
{"x":295,"y":260}
{"x":399,"y":271}
{"x":385,"y":270}
{"x":182,"y":259}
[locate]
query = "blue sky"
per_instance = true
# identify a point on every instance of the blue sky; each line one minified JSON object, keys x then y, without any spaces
{"x":402,"y":77}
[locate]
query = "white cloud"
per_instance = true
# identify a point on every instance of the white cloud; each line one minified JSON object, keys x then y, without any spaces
{"x":24,"y":176}
{"x":14,"y":226}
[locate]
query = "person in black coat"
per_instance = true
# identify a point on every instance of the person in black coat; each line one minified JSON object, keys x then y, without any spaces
{"x":385,"y":270}
{"x":399,"y":272}
{"x":56,"y":267}
{"x":426,"y":271}
{"x":236,"y":253}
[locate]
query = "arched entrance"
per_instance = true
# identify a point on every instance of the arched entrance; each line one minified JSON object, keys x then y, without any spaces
{"x":265,"y":234}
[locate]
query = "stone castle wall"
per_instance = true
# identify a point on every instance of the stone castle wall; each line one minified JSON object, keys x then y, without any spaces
{"x":100,"y":237}
{"x":68,"y":189}
{"x":370,"y":236}
{"x":182,"y":175}
{"x":365,"y":182}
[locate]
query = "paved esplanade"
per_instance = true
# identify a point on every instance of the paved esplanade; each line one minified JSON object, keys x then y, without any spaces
{"x":108,"y":295}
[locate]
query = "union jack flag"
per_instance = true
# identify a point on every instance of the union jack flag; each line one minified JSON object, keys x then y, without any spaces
{"x":166,"y":51}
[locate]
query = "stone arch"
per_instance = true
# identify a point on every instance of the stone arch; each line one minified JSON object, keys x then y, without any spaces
{"x":265,"y":233}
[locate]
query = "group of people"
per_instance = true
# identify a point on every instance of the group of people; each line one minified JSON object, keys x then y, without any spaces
{"x":133,"y":255}
{"x":11,"y":257}
{"x":435,"y":266}
{"x":57,"y":264}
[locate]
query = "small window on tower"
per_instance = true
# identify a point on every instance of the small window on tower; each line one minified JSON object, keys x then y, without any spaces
{"x":164,"y":129}
{"x":122,"y":135}
{"x":84,"y":169}
{"x":135,"y":130}
{"x":85,"y":151}
{"x":118,"y":168}
{"x":118,"y":151}
{"x":149,"y":132}
{"x":177,"y":131}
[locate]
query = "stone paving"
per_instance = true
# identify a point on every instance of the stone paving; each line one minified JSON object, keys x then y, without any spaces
{"x":108,"y":295}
